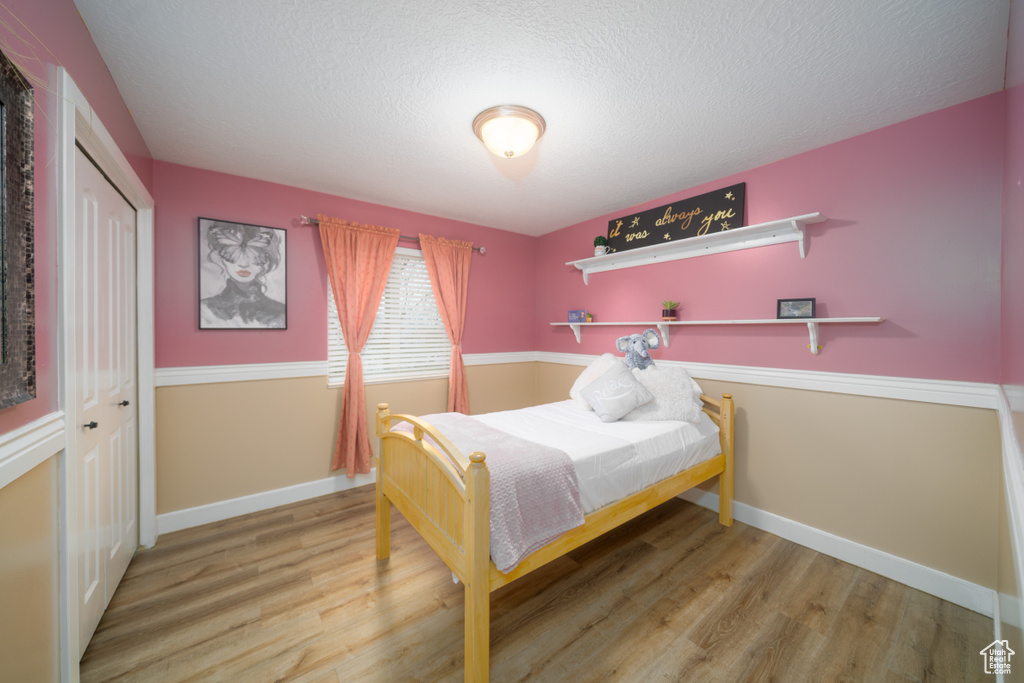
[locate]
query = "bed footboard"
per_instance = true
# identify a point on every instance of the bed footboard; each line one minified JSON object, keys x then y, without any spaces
{"x":446,"y":497}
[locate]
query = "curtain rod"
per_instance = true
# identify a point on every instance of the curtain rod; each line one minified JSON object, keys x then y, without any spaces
{"x":303,"y":220}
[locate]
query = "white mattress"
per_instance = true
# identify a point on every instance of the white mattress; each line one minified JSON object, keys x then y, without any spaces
{"x":613,"y":459}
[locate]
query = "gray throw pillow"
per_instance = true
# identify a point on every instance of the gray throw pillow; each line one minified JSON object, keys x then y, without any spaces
{"x":598,"y":367}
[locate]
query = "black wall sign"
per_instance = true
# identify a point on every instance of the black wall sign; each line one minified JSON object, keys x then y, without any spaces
{"x":701,"y":215}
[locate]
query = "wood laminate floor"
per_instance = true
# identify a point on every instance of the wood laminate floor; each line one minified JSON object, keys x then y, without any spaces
{"x":296,"y":594}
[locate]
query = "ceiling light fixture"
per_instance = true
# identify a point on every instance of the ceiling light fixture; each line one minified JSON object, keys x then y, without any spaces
{"x":509,"y":130}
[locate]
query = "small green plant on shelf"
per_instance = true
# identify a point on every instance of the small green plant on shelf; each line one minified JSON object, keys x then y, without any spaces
{"x":668,"y":309}
{"x":600,"y":245}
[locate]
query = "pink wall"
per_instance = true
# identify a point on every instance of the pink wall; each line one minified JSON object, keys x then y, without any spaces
{"x":913,"y":236}
{"x":500,"y":314}
{"x":1013,"y":207}
{"x":59,"y":36}
{"x":40,"y":35}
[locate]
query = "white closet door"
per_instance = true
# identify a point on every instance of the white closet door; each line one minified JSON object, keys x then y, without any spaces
{"x":106,"y":436}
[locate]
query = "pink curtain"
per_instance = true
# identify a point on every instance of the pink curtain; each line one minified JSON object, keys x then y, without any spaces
{"x":448,"y":266}
{"x":358,"y":261}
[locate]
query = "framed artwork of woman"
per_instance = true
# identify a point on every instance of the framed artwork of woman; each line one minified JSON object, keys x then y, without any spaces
{"x":242,"y":276}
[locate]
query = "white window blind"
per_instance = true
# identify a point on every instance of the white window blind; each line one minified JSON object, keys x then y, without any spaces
{"x":408,"y":340}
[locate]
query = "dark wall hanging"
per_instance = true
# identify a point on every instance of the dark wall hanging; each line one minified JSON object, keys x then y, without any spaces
{"x":701,"y":215}
{"x":17,"y":270}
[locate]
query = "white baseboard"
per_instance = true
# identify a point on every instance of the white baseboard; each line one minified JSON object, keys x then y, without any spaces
{"x":958,"y":591}
{"x":226,"y":509}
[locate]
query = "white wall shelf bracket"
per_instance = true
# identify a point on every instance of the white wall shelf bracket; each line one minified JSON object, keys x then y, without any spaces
{"x":812,"y":329}
{"x":799,"y":228}
{"x":663,"y":330}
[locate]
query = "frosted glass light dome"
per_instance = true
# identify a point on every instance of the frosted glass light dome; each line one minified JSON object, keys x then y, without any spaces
{"x":509,"y":130}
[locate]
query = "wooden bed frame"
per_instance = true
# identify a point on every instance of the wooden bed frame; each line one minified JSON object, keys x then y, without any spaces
{"x":446,"y":498}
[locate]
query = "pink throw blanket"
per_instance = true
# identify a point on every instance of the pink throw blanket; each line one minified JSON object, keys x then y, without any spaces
{"x":535,"y":496}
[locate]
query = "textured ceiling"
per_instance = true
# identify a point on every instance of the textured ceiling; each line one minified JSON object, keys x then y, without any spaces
{"x":374,"y":100}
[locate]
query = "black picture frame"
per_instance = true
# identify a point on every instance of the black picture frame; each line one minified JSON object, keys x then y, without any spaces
{"x":17,"y":238}
{"x":794,"y":308}
{"x":243,"y":276}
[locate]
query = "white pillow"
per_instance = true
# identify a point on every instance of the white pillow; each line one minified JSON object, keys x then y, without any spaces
{"x":674,"y":395}
{"x":592,"y":372}
{"x":615,"y":393}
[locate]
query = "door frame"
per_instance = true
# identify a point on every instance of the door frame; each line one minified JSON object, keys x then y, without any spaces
{"x":77,"y":123}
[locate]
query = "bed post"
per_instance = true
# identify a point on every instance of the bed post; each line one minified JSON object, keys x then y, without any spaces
{"x":478,"y":570}
{"x":383,"y":504}
{"x":725,"y":483}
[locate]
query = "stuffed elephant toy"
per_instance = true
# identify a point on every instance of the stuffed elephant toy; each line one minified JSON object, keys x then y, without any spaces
{"x":636,"y":347}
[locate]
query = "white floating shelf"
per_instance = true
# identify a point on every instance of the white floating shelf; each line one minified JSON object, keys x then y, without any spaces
{"x":760,"y":235}
{"x":663,"y":327}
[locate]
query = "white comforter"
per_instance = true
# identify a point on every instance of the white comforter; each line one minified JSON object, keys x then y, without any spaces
{"x":612,"y":459}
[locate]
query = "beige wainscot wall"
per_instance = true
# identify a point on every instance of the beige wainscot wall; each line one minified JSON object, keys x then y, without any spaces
{"x":915,"y":480}
{"x":29,"y":547}
{"x":220,"y":441}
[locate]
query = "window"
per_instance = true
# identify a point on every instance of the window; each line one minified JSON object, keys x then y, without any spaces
{"x":408,"y":340}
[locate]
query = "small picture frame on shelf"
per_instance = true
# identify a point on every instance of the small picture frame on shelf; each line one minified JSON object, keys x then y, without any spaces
{"x":577,"y":316}
{"x":795,"y":308}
